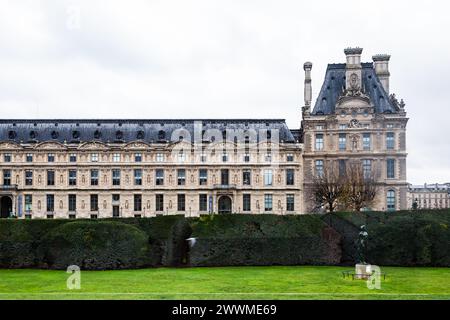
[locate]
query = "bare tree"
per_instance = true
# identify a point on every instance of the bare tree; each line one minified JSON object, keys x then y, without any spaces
{"x":361,"y":187}
{"x":328,"y":188}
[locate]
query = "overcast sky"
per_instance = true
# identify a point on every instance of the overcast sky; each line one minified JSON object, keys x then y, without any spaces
{"x":221,"y":59}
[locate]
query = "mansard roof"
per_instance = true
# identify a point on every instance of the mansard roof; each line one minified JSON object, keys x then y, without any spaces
{"x":123,"y":131}
{"x":335,"y":82}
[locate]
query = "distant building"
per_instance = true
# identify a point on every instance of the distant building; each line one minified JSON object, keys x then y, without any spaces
{"x":101,"y":168}
{"x":429,"y":196}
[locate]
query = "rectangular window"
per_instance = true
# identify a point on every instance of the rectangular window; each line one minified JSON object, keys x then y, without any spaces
{"x":343,"y":126}
{"x":72,"y":177}
{"x":94,"y":202}
{"x":181,"y":202}
{"x":390,"y":140}
{"x":246,"y":202}
{"x":7,"y":177}
{"x":203,"y":177}
{"x":390,"y":200}
{"x":159,"y":201}
{"x":28,"y":178}
{"x":72,"y":202}
{"x":159,"y":177}
{"x":51,"y":157}
{"x":319,"y":127}
{"x":29,"y":157}
{"x":28,"y":203}
{"x":138,"y":157}
{"x":116,"y":157}
{"x":366,"y":141}
{"x":289,"y":157}
{"x":342,"y":168}
{"x":246,"y":177}
{"x":319,"y":142}
{"x":50,"y":203}
{"x":159,"y":157}
{"x":367,"y":168}
{"x":290,"y":202}
{"x":137,"y":202}
{"x":116,"y":177}
{"x":290,"y":177}
{"x":342,"y":141}
{"x":268,"y":202}
{"x":319,"y":168}
{"x":94,"y":157}
{"x":390,"y":166}
{"x":50,"y":177}
{"x":268,"y":177}
{"x":94,"y":177}
{"x":181,"y":177}
{"x":73,"y":157}
{"x":138,"y":177}
{"x":203,"y":202}
{"x":224,"y":174}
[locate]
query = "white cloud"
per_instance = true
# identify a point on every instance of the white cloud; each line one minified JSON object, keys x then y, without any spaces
{"x":220,"y":59}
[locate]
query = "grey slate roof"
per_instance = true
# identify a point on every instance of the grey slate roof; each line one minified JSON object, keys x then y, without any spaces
{"x":75,"y":131}
{"x":335,"y":81}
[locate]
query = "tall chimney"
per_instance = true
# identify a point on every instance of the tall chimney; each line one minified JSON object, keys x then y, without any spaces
{"x":381,"y":65}
{"x":353,"y":68}
{"x":307,"y":66}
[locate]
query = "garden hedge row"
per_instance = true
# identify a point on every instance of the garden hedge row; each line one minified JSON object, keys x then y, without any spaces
{"x":263,"y":240}
{"x":90,"y":244}
{"x":409,"y":238}
{"x":404,"y":238}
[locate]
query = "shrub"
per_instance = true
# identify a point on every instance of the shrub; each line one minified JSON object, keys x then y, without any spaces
{"x":96,"y":245}
{"x":263,"y":240}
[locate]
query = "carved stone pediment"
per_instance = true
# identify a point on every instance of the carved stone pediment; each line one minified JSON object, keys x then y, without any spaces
{"x":9,"y":146}
{"x":50,"y":145}
{"x":93,"y":146}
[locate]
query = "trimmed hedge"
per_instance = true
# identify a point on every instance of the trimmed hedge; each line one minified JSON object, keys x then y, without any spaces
{"x":94,"y":245}
{"x":404,"y":238}
{"x":31,"y":243}
{"x":407,"y":238}
{"x":263,"y":240}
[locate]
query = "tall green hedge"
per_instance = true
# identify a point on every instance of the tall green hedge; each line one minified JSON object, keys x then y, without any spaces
{"x":404,"y":238}
{"x":263,"y":240}
{"x":407,"y":238}
{"x":97,"y":244}
{"x":94,"y":245}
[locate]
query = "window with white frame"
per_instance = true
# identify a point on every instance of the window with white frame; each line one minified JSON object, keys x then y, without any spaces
{"x":116,"y":157}
{"x":160,"y":157}
{"x":94,"y":157}
{"x":319,"y":142}
{"x":268,"y":177}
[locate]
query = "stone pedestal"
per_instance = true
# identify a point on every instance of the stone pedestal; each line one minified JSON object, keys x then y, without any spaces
{"x":363,"y":271}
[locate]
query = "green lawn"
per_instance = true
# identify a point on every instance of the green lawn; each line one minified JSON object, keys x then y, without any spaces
{"x":301,"y":282}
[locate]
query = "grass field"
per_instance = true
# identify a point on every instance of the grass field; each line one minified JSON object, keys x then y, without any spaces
{"x":300,"y":282}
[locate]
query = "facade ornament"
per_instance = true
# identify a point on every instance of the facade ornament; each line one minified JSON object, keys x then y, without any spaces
{"x":354,"y":123}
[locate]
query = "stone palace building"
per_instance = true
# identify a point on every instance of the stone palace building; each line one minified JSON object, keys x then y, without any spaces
{"x":142,"y":168}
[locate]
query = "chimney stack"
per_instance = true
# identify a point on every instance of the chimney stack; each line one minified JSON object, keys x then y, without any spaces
{"x":307,"y":66}
{"x":353,"y":68}
{"x":381,"y":66}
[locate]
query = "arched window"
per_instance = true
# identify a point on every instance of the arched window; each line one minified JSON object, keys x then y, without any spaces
{"x":390,"y":200}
